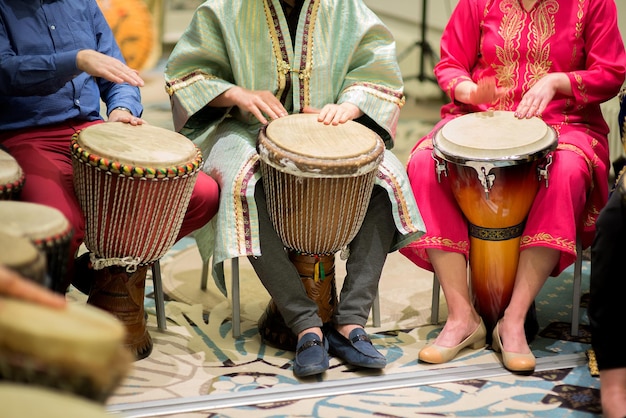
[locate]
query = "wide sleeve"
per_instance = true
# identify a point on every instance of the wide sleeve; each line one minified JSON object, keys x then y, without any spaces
{"x":460,"y":47}
{"x":198,"y":71}
{"x":605,"y":58}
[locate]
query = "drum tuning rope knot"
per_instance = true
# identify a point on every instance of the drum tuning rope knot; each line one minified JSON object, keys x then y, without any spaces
{"x":318,"y":271}
{"x":131,"y":263}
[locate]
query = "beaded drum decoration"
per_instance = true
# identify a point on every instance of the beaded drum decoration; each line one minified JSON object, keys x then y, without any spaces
{"x":11,"y":177}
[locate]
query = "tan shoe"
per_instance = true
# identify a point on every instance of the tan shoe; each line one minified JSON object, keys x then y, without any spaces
{"x":514,"y":362}
{"x":437,"y":354}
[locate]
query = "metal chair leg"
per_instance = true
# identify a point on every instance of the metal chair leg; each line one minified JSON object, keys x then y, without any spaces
{"x":577,"y":288}
{"x":376,"y":310}
{"x":235,"y":296}
{"x":159,"y":298}
{"x":235,"y":292}
{"x":434,"y":306}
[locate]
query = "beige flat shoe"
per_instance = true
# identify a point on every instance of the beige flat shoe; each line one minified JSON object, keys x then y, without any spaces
{"x":514,"y":362}
{"x":437,"y":354}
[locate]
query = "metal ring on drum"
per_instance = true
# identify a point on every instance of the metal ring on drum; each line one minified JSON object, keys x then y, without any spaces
{"x":494,"y":163}
{"x":134,"y":184}
{"x":309,"y":170}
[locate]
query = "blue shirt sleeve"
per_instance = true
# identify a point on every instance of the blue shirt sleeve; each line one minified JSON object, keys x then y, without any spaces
{"x":39,"y":81}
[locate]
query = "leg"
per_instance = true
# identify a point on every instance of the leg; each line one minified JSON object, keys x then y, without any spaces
{"x":606,"y":313}
{"x":462,"y":319}
{"x":464,"y":327}
{"x":613,"y":392}
{"x":282,"y":280}
{"x":368,"y":252}
{"x":280,"y":277}
{"x":202,"y":206}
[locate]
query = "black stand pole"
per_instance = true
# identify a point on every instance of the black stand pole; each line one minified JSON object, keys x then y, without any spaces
{"x":426,"y":51}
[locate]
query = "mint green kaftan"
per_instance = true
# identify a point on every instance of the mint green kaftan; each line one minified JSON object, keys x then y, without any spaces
{"x":342,"y":53}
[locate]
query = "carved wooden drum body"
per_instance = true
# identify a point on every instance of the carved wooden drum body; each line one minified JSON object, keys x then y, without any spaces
{"x":494,"y":162}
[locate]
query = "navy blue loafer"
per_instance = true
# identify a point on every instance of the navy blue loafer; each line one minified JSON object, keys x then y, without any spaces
{"x":358,"y":350}
{"x":311,"y":356}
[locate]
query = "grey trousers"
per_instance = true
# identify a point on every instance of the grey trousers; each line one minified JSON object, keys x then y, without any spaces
{"x":368,"y":252}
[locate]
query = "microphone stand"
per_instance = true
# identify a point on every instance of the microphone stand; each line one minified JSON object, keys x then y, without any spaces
{"x":426,"y":51}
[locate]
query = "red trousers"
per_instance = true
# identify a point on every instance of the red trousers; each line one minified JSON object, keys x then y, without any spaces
{"x":44,"y":156}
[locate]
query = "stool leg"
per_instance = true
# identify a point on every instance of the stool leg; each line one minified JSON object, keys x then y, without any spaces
{"x":434,"y":307}
{"x":236,"y":297}
{"x":205,"y":275}
{"x":376,"y":310}
{"x":577,"y":289}
{"x":159,"y":299}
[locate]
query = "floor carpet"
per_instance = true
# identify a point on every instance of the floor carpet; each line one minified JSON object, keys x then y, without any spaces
{"x":197,"y":369}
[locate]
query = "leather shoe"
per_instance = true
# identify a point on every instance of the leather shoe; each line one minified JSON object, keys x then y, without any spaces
{"x":357,"y":350}
{"x":311,"y":355}
{"x":514,"y":362}
{"x":437,"y":354}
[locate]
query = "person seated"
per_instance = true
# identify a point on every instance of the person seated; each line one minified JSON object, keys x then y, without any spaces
{"x":53,"y":76}
{"x":241,"y":64}
{"x":606,"y":293}
{"x":539,"y":59}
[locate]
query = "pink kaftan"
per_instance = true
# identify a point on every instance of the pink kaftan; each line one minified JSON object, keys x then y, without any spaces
{"x":500,"y":38}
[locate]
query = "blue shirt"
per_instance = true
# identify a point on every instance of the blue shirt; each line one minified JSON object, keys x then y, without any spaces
{"x":39,"y":81}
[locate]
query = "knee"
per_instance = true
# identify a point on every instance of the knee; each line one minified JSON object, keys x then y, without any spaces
{"x":205,"y":197}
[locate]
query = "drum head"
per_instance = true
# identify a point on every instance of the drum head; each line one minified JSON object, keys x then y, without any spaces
{"x":301,"y":145}
{"x":17,"y":252}
{"x":79,"y":334}
{"x":494,"y":136}
{"x":32,"y":220}
{"x":10,"y":170}
{"x":22,"y":401}
{"x":142,"y":145}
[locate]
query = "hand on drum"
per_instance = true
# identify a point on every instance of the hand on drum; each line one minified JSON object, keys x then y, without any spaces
{"x":541,"y":93}
{"x":485,"y":91}
{"x":336,"y":113}
{"x":103,"y":66}
{"x":13,"y":285}
{"x":260,"y":103}
{"x":120,"y":115}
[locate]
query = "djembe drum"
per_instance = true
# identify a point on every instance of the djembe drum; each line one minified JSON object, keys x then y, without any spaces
{"x":79,"y":350}
{"x":318,"y":180}
{"x":11,"y":177}
{"x":48,"y":229}
{"x":20,"y":255}
{"x":134,"y":184}
{"x":497,"y":163}
{"x":23,"y":400}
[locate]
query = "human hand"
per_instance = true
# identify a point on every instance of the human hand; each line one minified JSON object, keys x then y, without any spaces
{"x":260,"y":103}
{"x":100,"y":65}
{"x":485,"y":91}
{"x":14,"y":285}
{"x":120,"y":115}
{"x":538,"y":97}
{"x":335,"y":113}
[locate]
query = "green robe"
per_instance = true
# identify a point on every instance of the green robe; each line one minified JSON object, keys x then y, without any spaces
{"x":342,"y":53}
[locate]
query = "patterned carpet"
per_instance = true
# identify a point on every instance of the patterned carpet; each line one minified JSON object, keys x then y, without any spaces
{"x":197,"y":369}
